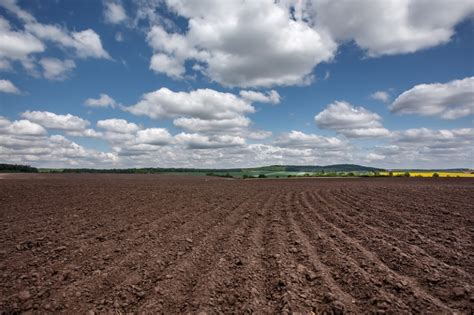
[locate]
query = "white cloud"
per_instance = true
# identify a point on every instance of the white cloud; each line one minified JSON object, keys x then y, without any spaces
{"x":86,"y":44}
{"x":239,"y":126}
{"x":197,"y":141}
{"x":444,"y":138}
{"x":89,"y":133}
{"x":267,"y":43}
{"x":22,"y":45}
{"x":202,"y":103}
{"x":21,"y":128}
{"x":12,"y":6}
{"x":55,"y":69}
{"x":423,"y":147}
{"x":114,"y":12}
{"x":298,"y":139}
{"x":213,"y":125}
{"x":269,"y":97}
{"x":167,"y":65}
{"x":353,"y":122}
{"x":204,"y":111}
{"x":17,"y":45}
{"x":117,"y":125}
{"x":246,"y":44}
{"x":103,"y":101}
{"x":450,"y":100}
{"x":391,"y":26}
{"x":371,"y":157}
{"x":52,"y":151}
{"x":7,"y":86}
{"x":54,"y":121}
{"x":382,"y":96}
{"x":154,"y":136}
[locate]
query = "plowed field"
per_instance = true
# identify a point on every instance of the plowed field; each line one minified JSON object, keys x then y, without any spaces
{"x":176,"y":244}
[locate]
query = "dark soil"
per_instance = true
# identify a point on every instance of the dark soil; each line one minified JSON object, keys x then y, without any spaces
{"x":81,"y":243}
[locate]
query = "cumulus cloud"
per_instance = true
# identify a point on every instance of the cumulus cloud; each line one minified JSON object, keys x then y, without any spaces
{"x":117,"y":125}
{"x":203,"y":111}
{"x":22,"y":45}
{"x":52,"y":151}
{"x":103,"y":101}
{"x":55,"y":69}
{"x":23,"y":141}
{"x":54,"y":121}
{"x":114,"y":12}
{"x":167,"y":65}
{"x":444,"y":138}
{"x":449,"y":100}
{"x":202,"y":103}
{"x":382,"y":96}
{"x":17,"y":45}
{"x":88,"y":133}
{"x":85,"y":44}
{"x":392,"y":26}
{"x":371,"y":157}
{"x":7,"y":86}
{"x":298,"y":139}
{"x":21,"y":128}
{"x":213,"y":125}
{"x":268,"y":43}
{"x":353,"y":122}
{"x":245,"y":44}
{"x":154,"y":136}
{"x":423,"y":147}
{"x":197,"y":141}
{"x":269,"y":97}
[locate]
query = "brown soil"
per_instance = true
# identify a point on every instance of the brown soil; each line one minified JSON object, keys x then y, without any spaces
{"x":173,"y":244}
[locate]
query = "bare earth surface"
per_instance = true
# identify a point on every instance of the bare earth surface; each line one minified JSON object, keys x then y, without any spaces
{"x":171,"y":244}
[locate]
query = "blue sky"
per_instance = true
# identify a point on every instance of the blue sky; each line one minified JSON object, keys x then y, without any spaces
{"x":236,"y":83}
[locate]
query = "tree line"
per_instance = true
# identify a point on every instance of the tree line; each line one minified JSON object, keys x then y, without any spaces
{"x":17,"y":168}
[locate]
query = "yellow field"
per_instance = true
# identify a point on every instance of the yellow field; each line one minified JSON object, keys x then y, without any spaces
{"x":430,"y":174}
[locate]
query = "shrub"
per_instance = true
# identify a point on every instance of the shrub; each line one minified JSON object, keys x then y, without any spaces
{"x":435,"y":175}
{"x":407,"y":174}
{"x":390,"y":174}
{"x":262,"y":176}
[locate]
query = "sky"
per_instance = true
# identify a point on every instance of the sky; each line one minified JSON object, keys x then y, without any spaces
{"x":236,"y":83}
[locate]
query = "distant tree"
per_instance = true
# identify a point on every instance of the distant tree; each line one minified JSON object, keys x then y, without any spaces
{"x":407,"y":174}
{"x":351,"y":174}
{"x":435,"y":175}
{"x":390,"y":174}
{"x":262,"y":176}
{"x":17,"y":168}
